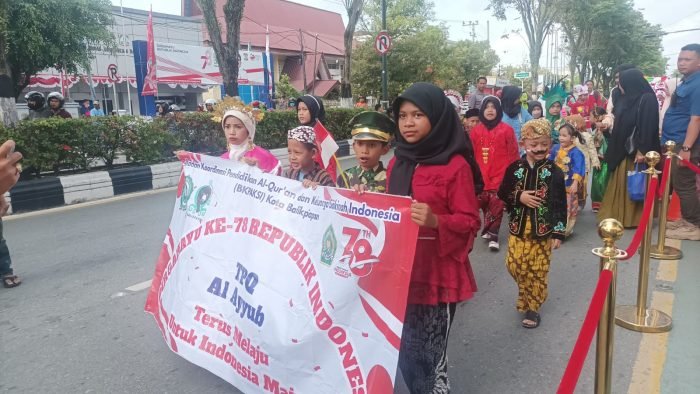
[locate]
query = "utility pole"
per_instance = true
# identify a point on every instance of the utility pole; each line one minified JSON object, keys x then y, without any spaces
{"x":313,"y":87}
{"x":473,"y":25}
{"x":488,"y":32}
{"x":303,"y":60}
{"x":385,"y":95}
{"x":126,"y":53}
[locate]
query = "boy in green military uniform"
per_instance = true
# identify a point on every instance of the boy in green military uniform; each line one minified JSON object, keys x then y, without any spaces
{"x":371,"y":132}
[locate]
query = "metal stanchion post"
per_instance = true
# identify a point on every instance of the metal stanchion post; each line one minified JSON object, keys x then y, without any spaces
{"x":610,"y":230}
{"x":661,"y":251}
{"x":639,"y":317}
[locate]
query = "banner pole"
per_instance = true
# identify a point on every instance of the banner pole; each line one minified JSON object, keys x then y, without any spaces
{"x":610,"y":231}
{"x":342,"y":173}
{"x":661,"y":251}
{"x":639,"y":317}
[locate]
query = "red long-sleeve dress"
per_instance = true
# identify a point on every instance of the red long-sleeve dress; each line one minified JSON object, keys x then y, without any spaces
{"x":441,"y":269}
{"x":494,"y":150}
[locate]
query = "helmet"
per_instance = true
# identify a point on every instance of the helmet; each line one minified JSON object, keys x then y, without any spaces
{"x":56,"y":95}
{"x":210,"y":101}
{"x":35,"y":100}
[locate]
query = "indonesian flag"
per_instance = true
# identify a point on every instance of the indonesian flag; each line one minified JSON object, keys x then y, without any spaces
{"x":150,"y":81}
{"x":326,"y":150}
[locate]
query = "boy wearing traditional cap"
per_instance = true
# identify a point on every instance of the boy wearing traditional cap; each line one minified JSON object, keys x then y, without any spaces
{"x":535,"y":196}
{"x":371,"y":132}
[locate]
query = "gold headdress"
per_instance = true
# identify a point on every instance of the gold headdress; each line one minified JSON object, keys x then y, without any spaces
{"x":577,"y":121}
{"x":535,"y":128}
{"x":230,"y":103}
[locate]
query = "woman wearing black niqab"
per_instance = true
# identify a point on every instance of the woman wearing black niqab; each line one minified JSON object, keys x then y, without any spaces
{"x":432,"y":166}
{"x":637,"y":114}
{"x":510,"y":100}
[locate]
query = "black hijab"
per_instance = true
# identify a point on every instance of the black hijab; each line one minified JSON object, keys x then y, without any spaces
{"x":508,"y":100}
{"x":446,"y":138}
{"x":615,"y":92}
{"x":316,"y":109}
{"x":636,"y":110}
{"x":490,"y":124}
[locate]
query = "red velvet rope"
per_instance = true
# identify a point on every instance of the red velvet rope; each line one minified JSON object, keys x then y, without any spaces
{"x":646,"y":215}
{"x":664,"y":173}
{"x":690,"y":165}
{"x":585,"y":336}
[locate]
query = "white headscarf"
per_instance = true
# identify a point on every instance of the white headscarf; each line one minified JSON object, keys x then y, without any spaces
{"x":236,"y":152}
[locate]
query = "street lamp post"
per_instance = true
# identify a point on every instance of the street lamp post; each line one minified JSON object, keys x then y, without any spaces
{"x":385,"y":95}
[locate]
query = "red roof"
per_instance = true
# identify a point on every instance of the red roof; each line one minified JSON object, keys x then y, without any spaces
{"x":318,"y":74}
{"x":322,"y":88}
{"x":284,"y":20}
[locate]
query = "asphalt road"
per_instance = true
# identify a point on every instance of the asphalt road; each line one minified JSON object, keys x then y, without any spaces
{"x":73,"y":327}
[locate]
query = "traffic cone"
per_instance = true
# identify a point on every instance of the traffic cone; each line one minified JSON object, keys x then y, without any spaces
{"x":674,"y":208}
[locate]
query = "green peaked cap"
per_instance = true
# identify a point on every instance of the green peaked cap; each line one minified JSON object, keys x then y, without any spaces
{"x":371,"y":125}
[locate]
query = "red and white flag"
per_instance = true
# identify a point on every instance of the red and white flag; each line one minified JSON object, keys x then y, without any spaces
{"x":326,"y":150}
{"x":150,"y":81}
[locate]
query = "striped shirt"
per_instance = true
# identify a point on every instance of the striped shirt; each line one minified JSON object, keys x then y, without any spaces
{"x":318,"y":175}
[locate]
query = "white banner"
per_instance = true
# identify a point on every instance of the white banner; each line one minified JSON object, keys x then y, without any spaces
{"x":194,"y":65}
{"x":281,"y":289}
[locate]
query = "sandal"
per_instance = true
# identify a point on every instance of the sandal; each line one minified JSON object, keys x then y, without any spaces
{"x":10,"y":280}
{"x":531,"y":320}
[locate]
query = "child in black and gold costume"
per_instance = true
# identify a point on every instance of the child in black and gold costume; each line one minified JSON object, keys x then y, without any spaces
{"x":535,"y":196}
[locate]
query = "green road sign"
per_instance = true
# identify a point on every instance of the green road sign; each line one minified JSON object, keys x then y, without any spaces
{"x":522,"y":75}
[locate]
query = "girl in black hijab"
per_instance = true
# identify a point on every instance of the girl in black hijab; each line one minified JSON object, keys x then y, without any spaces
{"x":436,"y":148}
{"x":431,"y":165}
{"x":310,"y":109}
{"x":491,"y":123}
{"x":637,"y":115}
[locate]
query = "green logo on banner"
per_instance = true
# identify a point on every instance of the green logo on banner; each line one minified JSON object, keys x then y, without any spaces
{"x":330,"y":244}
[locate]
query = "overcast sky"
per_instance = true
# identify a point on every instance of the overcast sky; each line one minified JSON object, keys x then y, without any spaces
{"x":672,"y":15}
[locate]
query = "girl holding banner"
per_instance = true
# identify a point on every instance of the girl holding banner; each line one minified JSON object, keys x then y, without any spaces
{"x":431,"y":164}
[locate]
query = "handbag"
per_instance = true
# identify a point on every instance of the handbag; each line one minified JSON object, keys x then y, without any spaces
{"x":630,"y":146}
{"x":636,"y":184}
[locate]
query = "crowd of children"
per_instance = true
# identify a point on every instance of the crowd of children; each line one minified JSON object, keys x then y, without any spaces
{"x":498,"y":158}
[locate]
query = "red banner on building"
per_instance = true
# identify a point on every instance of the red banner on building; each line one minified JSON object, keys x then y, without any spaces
{"x":150,"y":82}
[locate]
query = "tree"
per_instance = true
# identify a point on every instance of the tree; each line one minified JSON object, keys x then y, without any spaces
{"x":36,"y":35}
{"x":467,"y":61}
{"x":420,"y":52}
{"x":354,"y":10}
{"x":227,"y":54}
{"x":611,"y":33}
{"x":538,"y":17}
{"x":285,"y":89}
{"x":619,"y":34}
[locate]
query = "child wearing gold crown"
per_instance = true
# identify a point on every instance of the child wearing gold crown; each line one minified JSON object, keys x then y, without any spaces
{"x":535,"y":196}
{"x":238,"y":122}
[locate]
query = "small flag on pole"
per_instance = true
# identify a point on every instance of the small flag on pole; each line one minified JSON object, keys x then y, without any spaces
{"x":326,"y":150}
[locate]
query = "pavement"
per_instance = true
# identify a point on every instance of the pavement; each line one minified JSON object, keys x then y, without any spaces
{"x":77,"y":323}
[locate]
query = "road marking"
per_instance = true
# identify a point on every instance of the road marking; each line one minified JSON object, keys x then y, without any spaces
{"x":139,"y":286}
{"x":649,"y":366}
{"x":668,"y":271}
{"x":86,"y":204}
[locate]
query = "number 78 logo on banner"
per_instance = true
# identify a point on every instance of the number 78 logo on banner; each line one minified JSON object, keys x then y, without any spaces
{"x":358,"y":252}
